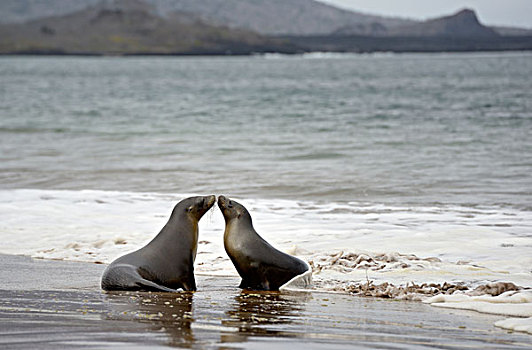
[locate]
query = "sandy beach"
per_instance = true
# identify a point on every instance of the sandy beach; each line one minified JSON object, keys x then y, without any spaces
{"x":58,"y":305}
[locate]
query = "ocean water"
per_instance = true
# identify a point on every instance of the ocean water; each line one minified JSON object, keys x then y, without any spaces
{"x":397,"y":168}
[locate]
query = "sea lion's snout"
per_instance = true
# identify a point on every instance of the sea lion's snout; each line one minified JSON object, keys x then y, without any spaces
{"x":221,"y":203}
{"x":208,"y":202}
{"x":224,"y":203}
{"x":202,"y":205}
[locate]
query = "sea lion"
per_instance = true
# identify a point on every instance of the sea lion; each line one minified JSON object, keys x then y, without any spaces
{"x":167,"y":262}
{"x":261,"y":266}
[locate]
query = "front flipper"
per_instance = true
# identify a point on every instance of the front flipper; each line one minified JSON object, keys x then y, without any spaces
{"x":190,"y":284}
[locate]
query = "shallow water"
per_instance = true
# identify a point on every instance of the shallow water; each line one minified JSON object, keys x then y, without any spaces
{"x":376,"y":154}
{"x":69,"y":313}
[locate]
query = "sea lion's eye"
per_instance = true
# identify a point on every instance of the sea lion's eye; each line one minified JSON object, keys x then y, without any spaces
{"x":230,"y":204}
{"x":189,"y":209}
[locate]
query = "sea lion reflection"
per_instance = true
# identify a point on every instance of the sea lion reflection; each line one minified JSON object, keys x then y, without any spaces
{"x":168,"y":312}
{"x":262,"y":313}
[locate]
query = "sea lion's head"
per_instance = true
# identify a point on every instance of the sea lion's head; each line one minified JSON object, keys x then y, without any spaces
{"x":232,"y":210}
{"x":195,"y":206}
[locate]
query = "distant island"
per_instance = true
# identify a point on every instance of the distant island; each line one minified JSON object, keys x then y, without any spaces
{"x":237,"y":27}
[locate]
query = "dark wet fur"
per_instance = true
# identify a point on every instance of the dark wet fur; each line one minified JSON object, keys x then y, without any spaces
{"x":167,"y":262}
{"x":261,"y":266}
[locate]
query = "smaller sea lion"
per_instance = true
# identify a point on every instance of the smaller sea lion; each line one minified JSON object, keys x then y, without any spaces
{"x":167,"y":262}
{"x":261,"y":266}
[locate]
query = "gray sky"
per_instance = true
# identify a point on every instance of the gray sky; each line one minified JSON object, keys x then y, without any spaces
{"x":492,"y":12}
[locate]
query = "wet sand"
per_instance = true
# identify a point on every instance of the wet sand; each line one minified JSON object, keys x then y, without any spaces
{"x":58,"y":305}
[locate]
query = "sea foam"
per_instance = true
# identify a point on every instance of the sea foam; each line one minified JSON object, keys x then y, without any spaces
{"x":345,"y":243}
{"x":512,"y":303}
{"x":370,"y":249}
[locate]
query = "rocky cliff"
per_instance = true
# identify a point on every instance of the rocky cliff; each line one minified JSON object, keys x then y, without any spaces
{"x":465,"y":23}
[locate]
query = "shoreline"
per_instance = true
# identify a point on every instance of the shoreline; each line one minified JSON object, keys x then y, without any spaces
{"x":301,"y":44}
{"x":319,"y":50}
{"x":48,"y":304}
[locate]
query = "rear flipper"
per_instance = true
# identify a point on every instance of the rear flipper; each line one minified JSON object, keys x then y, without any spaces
{"x":274,"y":278}
{"x":146,"y":285}
{"x":301,"y":281}
{"x":126,"y":277}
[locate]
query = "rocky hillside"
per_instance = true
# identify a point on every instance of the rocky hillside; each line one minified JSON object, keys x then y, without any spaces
{"x":130,"y":27}
{"x":270,"y":17}
{"x":274,"y":17}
